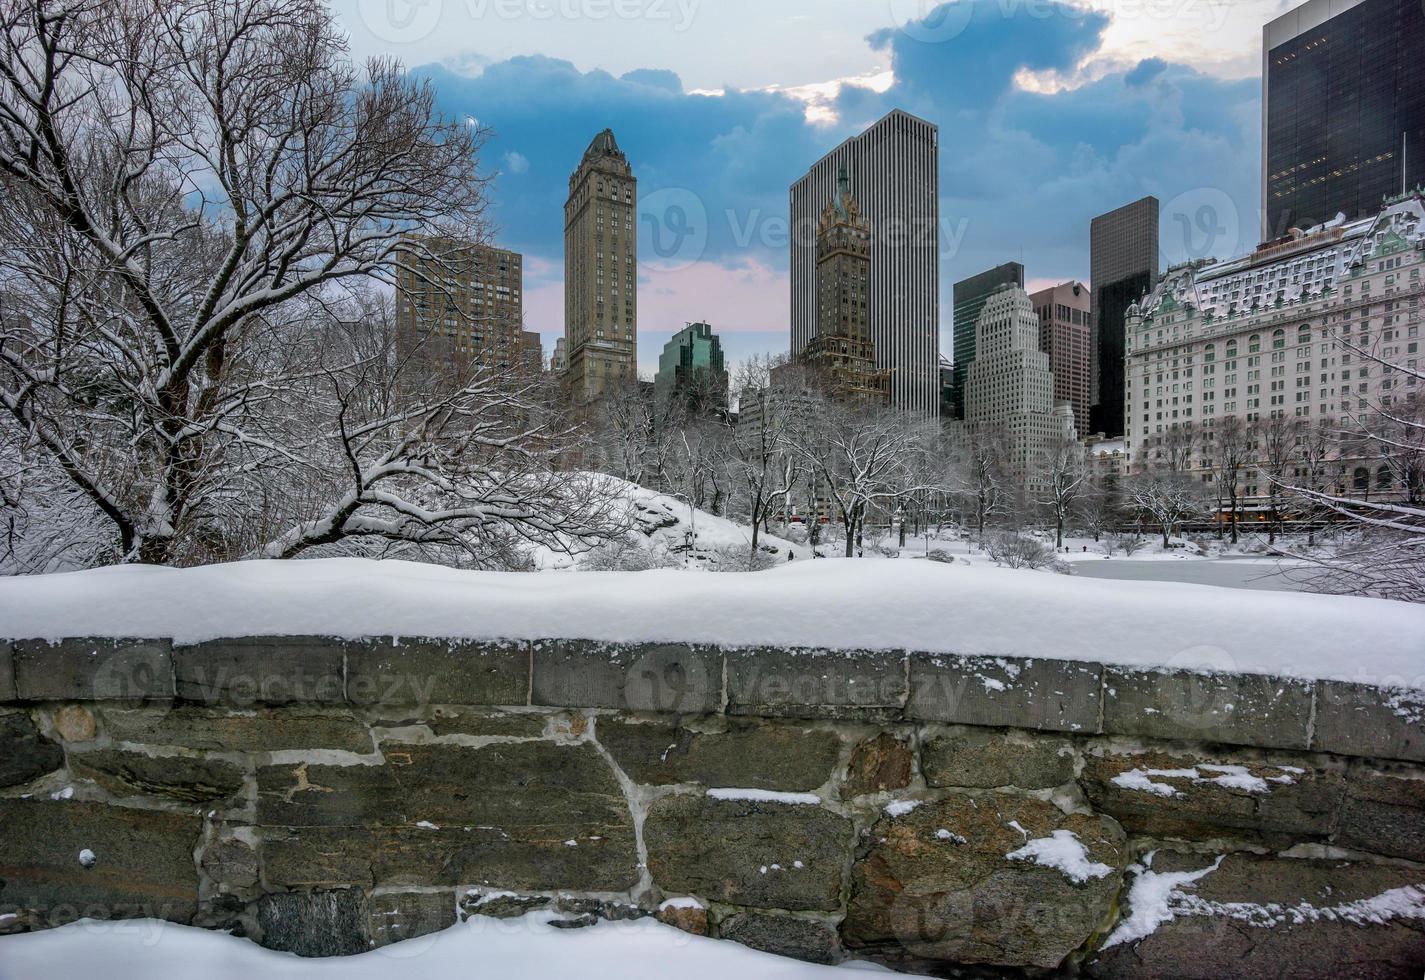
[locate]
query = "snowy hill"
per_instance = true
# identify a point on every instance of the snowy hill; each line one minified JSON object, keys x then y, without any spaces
{"x":663,"y":525}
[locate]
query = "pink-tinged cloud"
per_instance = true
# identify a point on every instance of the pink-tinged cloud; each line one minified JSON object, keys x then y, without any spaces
{"x":745,"y":295}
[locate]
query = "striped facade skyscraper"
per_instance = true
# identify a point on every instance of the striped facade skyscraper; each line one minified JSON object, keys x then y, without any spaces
{"x":894,"y":175}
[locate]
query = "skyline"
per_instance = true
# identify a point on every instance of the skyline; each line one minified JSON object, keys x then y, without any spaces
{"x":1046,"y":117}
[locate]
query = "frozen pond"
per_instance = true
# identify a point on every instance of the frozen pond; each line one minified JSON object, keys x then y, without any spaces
{"x":1232,"y":573}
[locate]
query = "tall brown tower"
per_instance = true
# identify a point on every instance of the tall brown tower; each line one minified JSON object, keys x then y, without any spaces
{"x":840,"y":350}
{"x":601,"y":271}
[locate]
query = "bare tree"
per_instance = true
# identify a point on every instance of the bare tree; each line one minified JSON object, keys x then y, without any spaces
{"x":1389,"y":558}
{"x":1230,"y":444}
{"x":192,"y":196}
{"x":984,"y":485}
{"x":1100,"y":505}
{"x":758,"y":459}
{"x":1166,"y":498}
{"x":1277,"y":436}
{"x":1062,"y":465}
{"x":860,"y":457}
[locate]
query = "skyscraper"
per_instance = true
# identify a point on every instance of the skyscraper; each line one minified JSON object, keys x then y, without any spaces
{"x":692,"y":367}
{"x":1064,"y":328}
{"x":969,"y":296}
{"x":840,"y":353}
{"x":1123,"y":261}
{"x":1343,"y":110}
{"x":601,"y":271}
{"x":894,"y":170}
{"x":460,"y":299}
{"x":1010,"y":388}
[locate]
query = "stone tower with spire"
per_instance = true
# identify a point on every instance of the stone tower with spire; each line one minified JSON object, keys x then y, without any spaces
{"x":601,"y":272}
{"x":840,"y":354}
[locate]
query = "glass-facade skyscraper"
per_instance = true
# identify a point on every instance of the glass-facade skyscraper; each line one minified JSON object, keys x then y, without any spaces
{"x":1123,"y":268}
{"x":1343,"y":110}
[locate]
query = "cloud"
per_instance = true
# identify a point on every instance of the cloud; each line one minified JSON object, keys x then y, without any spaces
{"x":1022,"y":172}
{"x":1146,"y":70}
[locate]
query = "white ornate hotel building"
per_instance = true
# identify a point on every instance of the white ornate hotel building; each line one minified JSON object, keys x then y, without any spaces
{"x":1261,"y":337}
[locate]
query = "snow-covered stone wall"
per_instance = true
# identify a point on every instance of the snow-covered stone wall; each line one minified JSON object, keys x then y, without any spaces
{"x":325,"y":796}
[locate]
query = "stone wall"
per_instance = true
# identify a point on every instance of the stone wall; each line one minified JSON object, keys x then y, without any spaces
{"x":929,"y":812}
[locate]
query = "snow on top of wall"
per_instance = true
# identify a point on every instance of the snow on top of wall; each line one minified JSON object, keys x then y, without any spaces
{"x":839,"y":604}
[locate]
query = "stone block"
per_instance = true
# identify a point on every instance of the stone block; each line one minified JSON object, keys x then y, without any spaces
{"x":692,"y":919}
{"x":247,"y":671}
{"x":403,"y":671}
{"x":1362,"y":720}
{"x":1236,"y":709}
{"x":1261,"y":918}
{"x":745,"y":852}
{"x":1384,"y":814}
{"x":316,"y":857}
{"x":878,"y":764}
{"x":669,"y":678}
{"x":397,"y":916}
{"x":466,"y":721}
{"x":7,"y":673}
{"x":807,"y":683}
{"x":812,"y":940}
{"x":534,"y":815}
{"x":24,"y":753}
{"x":75,"y":723}
{"x":188,"y":779}
{"x":772,"y":755}
{"x":320,"y":923}
{"x":255,"y":729}
{"x":141,"y":866}
{"x":230,"y":862}
{"x":1196,"y":798}
{"x":93,"y":669}
{"x":498,"y":904}
{"x":973,"y":880}
{"x":986,"y":758}
{"x":1005,"y":692}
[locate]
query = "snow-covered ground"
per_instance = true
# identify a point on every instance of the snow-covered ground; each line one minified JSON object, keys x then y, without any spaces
{"x":664,"y":525}
{"x":829,"y":603}
{"x":482,"y":948}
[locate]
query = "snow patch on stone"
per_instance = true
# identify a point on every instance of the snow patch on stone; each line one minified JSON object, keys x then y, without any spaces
{"x":1065,"y":853}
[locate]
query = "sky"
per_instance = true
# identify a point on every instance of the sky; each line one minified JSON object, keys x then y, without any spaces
{"x":1050,"y":112}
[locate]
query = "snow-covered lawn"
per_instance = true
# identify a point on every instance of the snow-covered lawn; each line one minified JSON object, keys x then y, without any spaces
{"x":480,"y":949}
{"x":830,"y":603}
